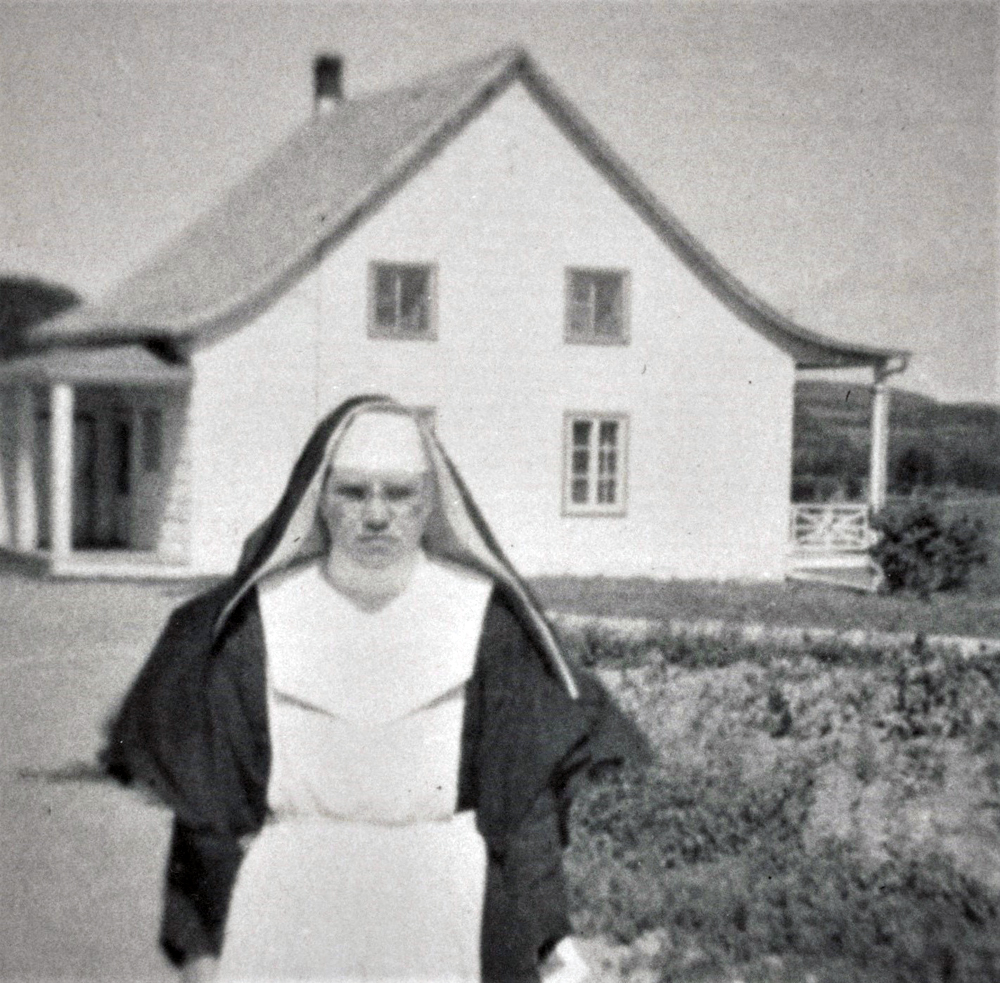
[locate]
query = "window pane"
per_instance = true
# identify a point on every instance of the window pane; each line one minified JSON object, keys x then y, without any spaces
{"x":579,"y":319}
{"x":413,"y":296}
{"x":607,"y":307}
{"x":580,"y":461}
{"x":581,"y":303}
{"x":581,"y":288}
{"x":595,"y":458}
{"x":402,"y":299}
{"x":385,"y":298}
{"x":595,"y":308}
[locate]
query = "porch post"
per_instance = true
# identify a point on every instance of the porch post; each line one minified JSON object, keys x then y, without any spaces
{"x":878,"y":466}
{"x":26,"y":502}
{"x":61,"y":430}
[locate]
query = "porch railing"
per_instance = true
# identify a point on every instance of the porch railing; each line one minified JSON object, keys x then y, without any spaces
{"x":831,"y":528}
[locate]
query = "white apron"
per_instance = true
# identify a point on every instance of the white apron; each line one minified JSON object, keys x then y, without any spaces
{"x":365,"y":871}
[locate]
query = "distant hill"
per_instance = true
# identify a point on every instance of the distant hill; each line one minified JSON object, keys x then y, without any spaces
{"x":932,"y":445}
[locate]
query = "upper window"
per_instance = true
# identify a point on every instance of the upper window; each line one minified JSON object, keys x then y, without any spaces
{"x":594,"y":449}
{"x":596,"y":306}
{"x":401,"y":301}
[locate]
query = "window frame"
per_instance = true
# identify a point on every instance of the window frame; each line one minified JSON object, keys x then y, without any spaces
{"x":394,"y":333}
{"x":591,"y":507}
{"x":592,"y":337}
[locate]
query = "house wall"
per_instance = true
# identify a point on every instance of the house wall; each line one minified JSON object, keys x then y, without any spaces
{"x":252,"y":406}
{"x":8,"y":452}
{"x":161,"y":481}
{"x":502,"y":211}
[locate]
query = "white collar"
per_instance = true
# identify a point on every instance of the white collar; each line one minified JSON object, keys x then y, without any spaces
{"x":371,"y":666}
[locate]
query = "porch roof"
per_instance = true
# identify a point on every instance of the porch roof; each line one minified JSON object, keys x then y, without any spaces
{"x":132,"y":365}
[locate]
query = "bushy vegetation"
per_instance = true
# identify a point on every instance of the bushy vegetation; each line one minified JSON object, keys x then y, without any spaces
{"x":919,"y":549}
{"x":720,"y":849}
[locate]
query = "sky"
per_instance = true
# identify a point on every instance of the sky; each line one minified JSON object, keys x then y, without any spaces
{"x":839,"y":158}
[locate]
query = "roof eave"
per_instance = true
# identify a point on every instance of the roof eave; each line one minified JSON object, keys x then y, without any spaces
{"x":809,"y":348}
{"x":883,"y":361}
{"x":128,"y":364}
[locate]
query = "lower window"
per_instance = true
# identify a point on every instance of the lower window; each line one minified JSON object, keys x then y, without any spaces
{"x":594,"y":456}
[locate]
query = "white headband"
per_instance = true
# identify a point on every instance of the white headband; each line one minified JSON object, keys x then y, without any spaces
{"x":381,"y":441}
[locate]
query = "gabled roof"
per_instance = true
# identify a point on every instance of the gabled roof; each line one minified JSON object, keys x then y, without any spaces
{"x":332,"y":172}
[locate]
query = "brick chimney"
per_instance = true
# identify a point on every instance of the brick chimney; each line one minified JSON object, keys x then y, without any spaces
{"x":328,"y":82}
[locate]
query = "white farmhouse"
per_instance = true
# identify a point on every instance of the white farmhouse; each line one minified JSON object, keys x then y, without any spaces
{"x":618,"y":403}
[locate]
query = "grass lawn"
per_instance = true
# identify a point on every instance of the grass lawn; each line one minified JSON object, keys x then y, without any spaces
{"x":975,"y":611}
{"x":779,"y":603}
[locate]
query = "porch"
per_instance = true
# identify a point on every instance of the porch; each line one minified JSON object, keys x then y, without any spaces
{"x":830,"y":541}
{"x":92,"y":462}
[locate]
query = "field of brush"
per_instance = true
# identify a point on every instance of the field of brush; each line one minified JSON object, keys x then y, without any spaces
{"x":825,"y":814}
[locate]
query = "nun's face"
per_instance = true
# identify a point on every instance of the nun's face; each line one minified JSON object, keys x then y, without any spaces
{"x":376,"y":518}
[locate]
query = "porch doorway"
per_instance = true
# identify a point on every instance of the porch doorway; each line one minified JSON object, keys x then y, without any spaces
{"x":103,"y":479}
{"x":84,"y":481}
{"x":118,"y":491}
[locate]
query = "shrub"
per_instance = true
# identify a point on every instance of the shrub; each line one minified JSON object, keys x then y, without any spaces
{"x":710,"y":848}
{"x":920,"y":550}
{"x":943,"y":695}
{"x":598,"y":645}
{"x":608,"y":647}
{"x":920,"y":919}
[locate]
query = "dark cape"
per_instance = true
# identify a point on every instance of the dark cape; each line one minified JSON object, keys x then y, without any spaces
{"x":193,"y":729}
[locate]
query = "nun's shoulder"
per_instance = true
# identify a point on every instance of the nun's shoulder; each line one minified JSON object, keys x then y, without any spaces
{"x":508,"y":646}
{"x":192,"y":623}
{"x":204,"y":605}
{"x":500,"y":623}
{"x":516,"y":665}
{"x":504,"y":632}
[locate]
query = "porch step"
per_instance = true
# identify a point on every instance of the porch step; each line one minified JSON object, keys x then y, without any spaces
{"x":866,"y":578}
{"x":828,"y":560}
{"x":118,"y":565}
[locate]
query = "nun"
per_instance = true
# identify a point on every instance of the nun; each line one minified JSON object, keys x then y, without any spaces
{"x":368,"y":736}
